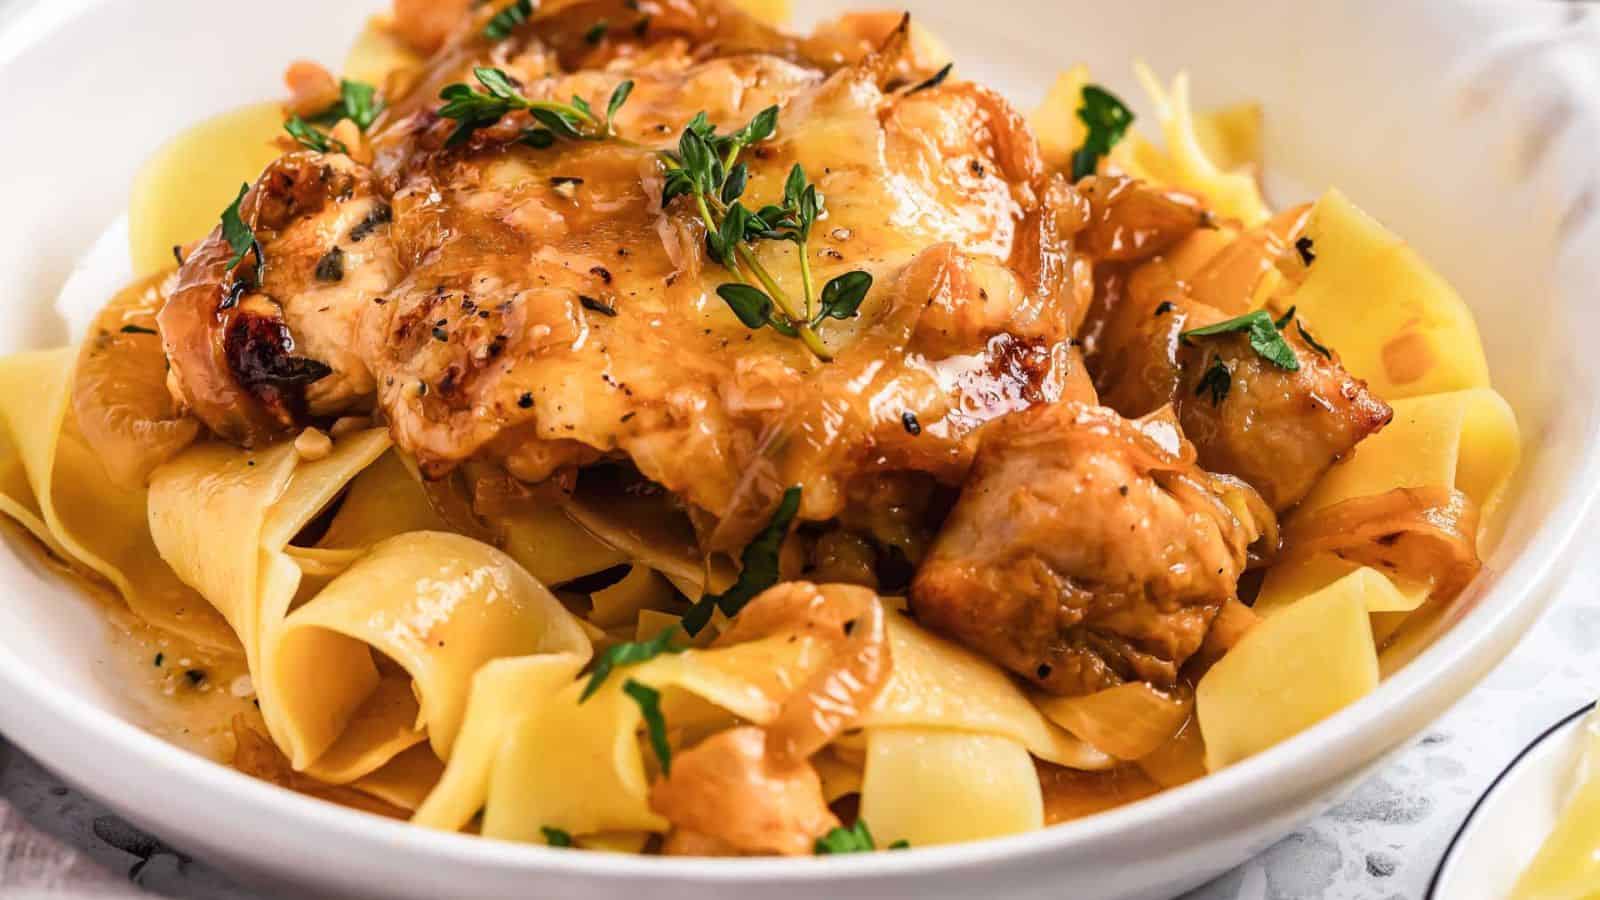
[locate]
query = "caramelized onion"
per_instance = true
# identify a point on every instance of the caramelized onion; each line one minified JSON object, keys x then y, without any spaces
{"x":835,"y":696}
{"x":729,"y":794}
{"x":119,"y":390}
{"x":1129,"y":721}
{"x":1426,"y":535}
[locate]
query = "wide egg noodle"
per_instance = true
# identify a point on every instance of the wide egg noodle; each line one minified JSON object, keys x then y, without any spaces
{"x":933,"y":786}
{"x":1184,"y":163}
{"x":938,"y":684}
{"x":433,"y":606}
{"x":51,"y":483}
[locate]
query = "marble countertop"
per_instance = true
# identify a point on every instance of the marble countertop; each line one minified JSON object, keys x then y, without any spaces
{"x":1382,"y":843}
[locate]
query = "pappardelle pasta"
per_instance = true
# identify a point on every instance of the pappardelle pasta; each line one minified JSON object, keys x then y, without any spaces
{"x":627,"y":426}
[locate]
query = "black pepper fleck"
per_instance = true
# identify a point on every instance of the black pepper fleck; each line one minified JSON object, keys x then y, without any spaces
{"x":525,"y":401}
{"x":330,"y":267}
{"x":908,"y":419}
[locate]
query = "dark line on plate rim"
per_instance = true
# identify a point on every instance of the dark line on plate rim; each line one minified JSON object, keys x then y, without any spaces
{"x":1450,"y":848}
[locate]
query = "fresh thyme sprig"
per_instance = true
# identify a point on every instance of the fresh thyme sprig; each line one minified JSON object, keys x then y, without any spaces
{"x":506,"y":20}
{"x":473,"y":108}
{"x":706,"y":169}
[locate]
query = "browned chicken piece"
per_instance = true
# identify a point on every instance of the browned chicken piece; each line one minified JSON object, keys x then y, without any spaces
{"x":552,"y":313}
{"x":257,"y":345}
{"x":727,"y":796}
{"x":1277,"y":429}
{"x":1083,"y":553}
{"x":539,"y":309}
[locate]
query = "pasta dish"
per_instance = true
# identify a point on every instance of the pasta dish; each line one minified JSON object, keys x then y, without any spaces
{"x":625,"y":425}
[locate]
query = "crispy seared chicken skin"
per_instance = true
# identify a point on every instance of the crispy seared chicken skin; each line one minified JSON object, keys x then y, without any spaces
{"x":533,"y":310}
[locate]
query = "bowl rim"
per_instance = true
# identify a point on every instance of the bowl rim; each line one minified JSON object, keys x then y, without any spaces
{"x":1458,"y":839}
{"x":1450,"y":667}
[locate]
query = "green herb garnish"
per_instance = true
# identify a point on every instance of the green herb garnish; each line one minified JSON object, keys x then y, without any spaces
{"x":1216,"y":381}
{"x":649,"y":701}
{"x":555,"y":837}
{"x":855,"y":839}
{"x":631,"y":654}
{"x":240,"y":236}
{"x":597,"y":32}
{"x":506,"y":20}
{"x":473,"y":109}
{"x":1312,"y":342}
{"x":137,"y":329}
{"x":759,"y":567}
{"x":1107,"y":119}
{"x":706,"y":168}
{"x":358,"y":102}
{"x":937,"y":79}
{"x":312,"y":139}
{"x":1263,"y":333}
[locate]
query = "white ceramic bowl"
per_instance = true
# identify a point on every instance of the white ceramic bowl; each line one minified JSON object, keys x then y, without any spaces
{"x":1468,"y":128}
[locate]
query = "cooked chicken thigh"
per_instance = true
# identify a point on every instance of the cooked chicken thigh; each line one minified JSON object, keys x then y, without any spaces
{"x":1279,"y":430}
{"x":1083,"y":553}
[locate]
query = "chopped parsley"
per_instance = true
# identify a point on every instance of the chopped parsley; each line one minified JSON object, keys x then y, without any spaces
{"x":138,"y":329}
{"x":160,"y":658}
{"x":1263,"y":333}
{"x":240,"y":236}
{"x":1216,"y":381}
{"x":506,"y":20}
{"x":759,"y":567}
{"x":555,"y":837}
{"x":597,"y":32}
{"x":312,"y":139}
{"x":1107,"y":119}
{"x":649,"y":701}
{"x":631,"y":654}
{"x":855,"y":839}
{"x":358,"y":102}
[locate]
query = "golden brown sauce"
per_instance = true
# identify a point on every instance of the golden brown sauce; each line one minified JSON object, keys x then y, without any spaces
{"x":169,"y":686}
{"x":1070,"y":794}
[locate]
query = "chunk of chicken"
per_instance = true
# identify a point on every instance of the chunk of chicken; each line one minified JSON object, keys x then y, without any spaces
{"x":257,"y":345}
{"x":1083,"y":553}
{"x":1277,"y":429}
{"x":552,"y":313}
